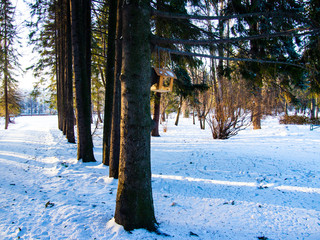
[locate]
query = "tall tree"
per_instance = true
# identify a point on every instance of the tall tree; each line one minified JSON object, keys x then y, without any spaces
{"x":81,"y":47}
{"x":134,"y":204}
{"x":112,"y":23}
{"x":8,"y":57}
{"x":167,"y":28}
{"x":99,"y":55}
{"x":311,"y":53}
{"x":51,"y":37}
{"x":64,"y":67}
{"x":275,"y":48}
{"x":116,"y":108}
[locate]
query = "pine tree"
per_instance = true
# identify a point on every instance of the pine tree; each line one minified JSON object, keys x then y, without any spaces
{"x":51,"y":37}
{"x":134,"y":204}
{"x":8,"y":59}
{"x":99,"y":55}
{"x":110,"y":68}
{"x":81,"y":47}
{"x":116,"y":108}
{"x":167,"y":28}
{"x":280,"y":48}
{"x":311,"y":56}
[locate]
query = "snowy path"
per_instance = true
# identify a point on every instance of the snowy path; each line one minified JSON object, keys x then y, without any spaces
{"x":45,"y":193}
{"x":262,"y":183}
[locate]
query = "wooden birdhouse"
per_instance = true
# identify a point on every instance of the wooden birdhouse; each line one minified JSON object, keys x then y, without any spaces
{"x":162,"y":80}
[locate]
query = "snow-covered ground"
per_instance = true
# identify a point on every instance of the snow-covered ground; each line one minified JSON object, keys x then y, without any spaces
{"x":262,"y":184}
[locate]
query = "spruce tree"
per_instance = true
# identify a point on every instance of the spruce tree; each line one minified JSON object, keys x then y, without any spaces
{"x":8,"y":59}
{"x":134,"y":204}
{"x":81,"y":48}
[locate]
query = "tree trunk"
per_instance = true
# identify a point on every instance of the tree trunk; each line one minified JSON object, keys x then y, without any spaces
{"x":57,"y":56}
{"x":6,"y":72}
{"x":134,"y":205}
{"x":61,"y":34}
{"x":112,"y":25}
{"x":156,"y":115}
{"x":256,"y":115}
{"x":317,"y":108}
{"x":285,"y":107}
{"x":193,"y":116}
{"x":313,"y":108}
{"x":69,"y":78}
{"x":178,"y":113}
{"x":81,"y":46}
{"x":115,"y":126}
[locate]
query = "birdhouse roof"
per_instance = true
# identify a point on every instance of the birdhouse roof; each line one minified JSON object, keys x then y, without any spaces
{"x":165,"y":72}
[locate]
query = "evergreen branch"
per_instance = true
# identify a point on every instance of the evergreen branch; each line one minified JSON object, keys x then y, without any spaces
{"x":158,"y":40}
{"x":169,"y":15}
{"x":177,"y":52}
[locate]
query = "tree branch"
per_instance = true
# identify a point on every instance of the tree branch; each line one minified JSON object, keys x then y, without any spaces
{"x":158,"y":40}
{"x":160,"y":14}
{"x":177,"y":52}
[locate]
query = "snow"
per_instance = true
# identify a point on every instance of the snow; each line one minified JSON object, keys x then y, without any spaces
{"x":260,"y":183}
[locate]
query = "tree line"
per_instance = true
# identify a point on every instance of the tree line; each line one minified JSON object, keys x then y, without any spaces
{"x":235,"y":60}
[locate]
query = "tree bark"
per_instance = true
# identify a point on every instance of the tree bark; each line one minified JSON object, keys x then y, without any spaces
{"x":134,"y":204}
{"x":257,"y":114}
{"x":156,"y":115}
{"x":64,"y":71}
{"x":115,"y":126}
{"x":313,"y":108}
{"x":178,"y":113}
{"x":6,"y":79}
{"x":57,"y":56}
{"x":69,"y":77}
{"x":112,"y":24}
{"x":81,"y":47}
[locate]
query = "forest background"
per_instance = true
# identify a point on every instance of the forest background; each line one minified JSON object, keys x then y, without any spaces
{"x":98,"y":57}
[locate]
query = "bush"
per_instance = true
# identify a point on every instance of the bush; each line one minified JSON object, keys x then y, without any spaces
{"x":299,"y":120}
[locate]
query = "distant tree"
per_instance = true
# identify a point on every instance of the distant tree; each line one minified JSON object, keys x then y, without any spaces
{"x":35,"y":93}
{"x":50,"y":35}
{"x":281,"y":48}
{"x":8,"y":59}
{"x":99,"y":55}
{"x":201,"y":98}
{"x":167,"y":28}
{"x":311,"y":56}
{"x":183,"y":88}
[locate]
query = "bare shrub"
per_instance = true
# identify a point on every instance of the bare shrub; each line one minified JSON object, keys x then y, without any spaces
{"x":231,"y":108}
{"x":225,"y":123}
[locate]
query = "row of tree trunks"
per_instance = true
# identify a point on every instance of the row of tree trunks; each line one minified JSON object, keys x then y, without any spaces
{"x":64,"y":70}
{"x":81,"y":48}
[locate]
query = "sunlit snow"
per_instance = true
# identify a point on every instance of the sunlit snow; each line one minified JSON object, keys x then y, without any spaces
{"x":260,"y":183}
